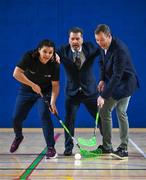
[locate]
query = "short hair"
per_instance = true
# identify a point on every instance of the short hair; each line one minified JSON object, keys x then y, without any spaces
{"x":102,"y":28}
{"x":76,"y":30}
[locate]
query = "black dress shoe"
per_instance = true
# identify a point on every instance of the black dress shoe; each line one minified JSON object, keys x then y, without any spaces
{"x":67,"y":152}
{"x":105,"y":151}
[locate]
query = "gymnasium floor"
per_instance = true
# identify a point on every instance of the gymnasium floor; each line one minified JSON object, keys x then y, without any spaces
{"x":29,"y":161}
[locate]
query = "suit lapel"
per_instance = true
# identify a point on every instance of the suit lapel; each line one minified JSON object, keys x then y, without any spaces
{"x":70,"y":55}
{"x":85,"y":51}
{"x":108,"y":56}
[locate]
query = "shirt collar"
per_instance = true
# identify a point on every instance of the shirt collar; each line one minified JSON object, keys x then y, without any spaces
{"x":78,"y":50}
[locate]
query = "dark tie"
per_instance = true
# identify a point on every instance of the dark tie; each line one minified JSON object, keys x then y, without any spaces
{"x":77,"y":59}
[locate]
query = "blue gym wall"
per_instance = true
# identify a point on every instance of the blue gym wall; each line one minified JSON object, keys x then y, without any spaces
{"x":23,"y":23}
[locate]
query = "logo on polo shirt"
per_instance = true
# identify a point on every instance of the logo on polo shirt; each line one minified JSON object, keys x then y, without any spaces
{"x":32,"y":72}
{"x":47,"y":75}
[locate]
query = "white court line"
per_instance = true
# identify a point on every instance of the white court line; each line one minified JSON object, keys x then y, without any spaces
{"x":135,"y":145}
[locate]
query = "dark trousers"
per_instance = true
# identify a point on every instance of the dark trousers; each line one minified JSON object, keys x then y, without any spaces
{"x":24,"y":102}
{"x":72,"y":104}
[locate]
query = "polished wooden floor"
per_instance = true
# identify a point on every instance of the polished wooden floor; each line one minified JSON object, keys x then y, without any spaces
{"x":27,"y":159}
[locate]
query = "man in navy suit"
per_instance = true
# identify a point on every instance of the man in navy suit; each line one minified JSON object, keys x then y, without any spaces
{"x":118,"y":81}
{"x":77,"y":58}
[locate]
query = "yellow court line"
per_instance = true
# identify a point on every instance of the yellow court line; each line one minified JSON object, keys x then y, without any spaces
{"x":77,"y":129}
{"x":38,"y":175}
{"x":9,"y":175}
{"x":69,"y":178}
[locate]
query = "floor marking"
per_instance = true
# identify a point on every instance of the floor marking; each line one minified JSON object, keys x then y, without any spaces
{"x":78,"y":176}
{"x":135,"y":145}
{"x":76,"y":169}
{"x":69,"y":178}
{"x":35,"y":163}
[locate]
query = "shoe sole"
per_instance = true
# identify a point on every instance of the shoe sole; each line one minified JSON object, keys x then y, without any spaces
{"x":56,"y":155}
{"x":118,"y":157}
{"x":68,"y":154}
{"x":106,"y":154}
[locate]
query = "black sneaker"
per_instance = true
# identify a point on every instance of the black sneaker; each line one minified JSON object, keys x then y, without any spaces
{"x":104,"y":151}
{"x":120,"y":153}
{"x":16,"y":144}
{"x":51,"y":153}
{"x":68,"y":152}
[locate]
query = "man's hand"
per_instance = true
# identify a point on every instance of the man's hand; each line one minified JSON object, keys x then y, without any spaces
{"x":57,"y":58}
{"x":53,"y":108}
{"x":101,"y":86}
{"x":100,"y":102}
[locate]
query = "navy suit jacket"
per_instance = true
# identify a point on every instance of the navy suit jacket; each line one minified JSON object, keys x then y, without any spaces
{"x":117,"y":70}
{"x":83,"y":78}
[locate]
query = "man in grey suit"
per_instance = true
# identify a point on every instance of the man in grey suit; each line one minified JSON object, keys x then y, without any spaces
{"x":118,"y":81}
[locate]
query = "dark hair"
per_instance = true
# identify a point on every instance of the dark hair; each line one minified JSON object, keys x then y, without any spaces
{"x":76,"y":30}
{"x":102,"y":28}
{"x":45,"y":42}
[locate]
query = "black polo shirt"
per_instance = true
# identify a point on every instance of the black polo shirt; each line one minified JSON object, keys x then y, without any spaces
{"x":39,"y":73}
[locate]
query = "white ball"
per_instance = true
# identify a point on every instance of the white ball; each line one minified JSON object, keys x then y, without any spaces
{"x":77,"y":156}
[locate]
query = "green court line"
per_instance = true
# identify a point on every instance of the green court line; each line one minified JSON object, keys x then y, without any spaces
{"x":33,"y":165}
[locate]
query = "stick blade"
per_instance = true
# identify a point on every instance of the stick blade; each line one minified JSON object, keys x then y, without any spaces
{"x":90,"y":154}
{"x":87,"y":142}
